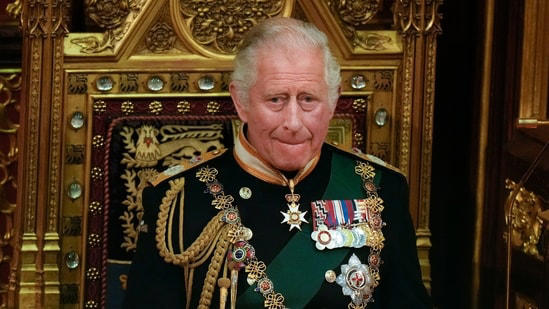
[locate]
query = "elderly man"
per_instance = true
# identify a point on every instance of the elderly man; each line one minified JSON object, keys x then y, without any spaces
{"x":283,"y":220}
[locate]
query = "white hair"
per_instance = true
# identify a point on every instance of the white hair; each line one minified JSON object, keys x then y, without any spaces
{"x":291,"y":34}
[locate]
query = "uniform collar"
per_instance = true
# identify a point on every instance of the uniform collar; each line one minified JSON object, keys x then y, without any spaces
{"x":249,"y":160}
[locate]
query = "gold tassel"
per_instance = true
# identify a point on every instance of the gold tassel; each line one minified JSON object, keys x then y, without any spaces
{"x":234,"y":285}
{"x":224,"y":284}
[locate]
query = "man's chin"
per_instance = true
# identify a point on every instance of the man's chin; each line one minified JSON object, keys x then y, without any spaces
{"x":289,"y":162}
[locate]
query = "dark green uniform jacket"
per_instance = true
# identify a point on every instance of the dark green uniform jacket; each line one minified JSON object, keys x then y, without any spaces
{"x":154,"y":283}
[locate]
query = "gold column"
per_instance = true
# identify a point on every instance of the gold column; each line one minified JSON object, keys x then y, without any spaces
{"x":419,"y":23}
{"x":34,"y":276}
{"x":484,"y":111}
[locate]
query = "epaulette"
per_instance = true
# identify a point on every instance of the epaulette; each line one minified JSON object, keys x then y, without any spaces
{"x":184,"y":166}
{"x":368,"y":157}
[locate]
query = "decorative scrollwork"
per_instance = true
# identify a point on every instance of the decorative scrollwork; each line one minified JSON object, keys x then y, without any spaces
{"x":161,"y":38}
{"x":526,"y":224}
{"x":355,"y":14}
{"x":108,"y":14}
{"x":10,"y":86}
{"x":115,"y":17}
{"x":222,"y":26}
{"x":14,"y":9}
{"x":417,"y":16}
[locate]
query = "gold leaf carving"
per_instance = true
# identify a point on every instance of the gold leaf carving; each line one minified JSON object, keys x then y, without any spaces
{"x":371,"y":41}
{"x":14,"y":9}
{"x":161,"y":38}
{"x":115,"y":17}
{"x":417,"y":16}
{"x":221,"y":25}
{"x":10,"y":86}
{"x":179,"y":82}
{"x":108,"y":14}
{"x":78,"y":83}
{"x":354,"y":14}
{"x":128,"y":82}
{"x":383,"y":80}
{"x":526,"y":224}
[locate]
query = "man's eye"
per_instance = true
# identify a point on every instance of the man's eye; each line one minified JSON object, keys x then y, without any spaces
{"x":275,"y":100}
{"x":308,"y":99}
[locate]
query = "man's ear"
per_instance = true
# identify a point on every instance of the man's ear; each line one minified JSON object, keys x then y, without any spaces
{"x":241,"y":109}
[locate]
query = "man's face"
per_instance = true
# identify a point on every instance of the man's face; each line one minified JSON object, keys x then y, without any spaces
{"x":288,"y":110}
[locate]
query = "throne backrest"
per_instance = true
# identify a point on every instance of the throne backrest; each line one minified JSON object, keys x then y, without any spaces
{"x":151,"y":91}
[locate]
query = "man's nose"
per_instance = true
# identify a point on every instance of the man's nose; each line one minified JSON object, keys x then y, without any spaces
{"x":293,"y":115}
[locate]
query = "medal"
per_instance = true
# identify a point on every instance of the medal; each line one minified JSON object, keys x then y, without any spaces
{"x":356,"y":281}
{"x":293,"y":217}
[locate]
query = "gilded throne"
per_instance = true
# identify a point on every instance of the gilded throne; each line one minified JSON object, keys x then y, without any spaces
{"x":145,"y":88}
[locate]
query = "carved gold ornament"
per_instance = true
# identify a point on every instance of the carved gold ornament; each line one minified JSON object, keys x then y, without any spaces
{"x":99,"y":106}
{"x":95,"y":208}
{"x":92,"y":274}
{"x":90,"y":304}
{"x":179,"y":82}
{"x":10,"y":85}
{"x":108,"y":14}
{"x":213,"y":107}
{"x":527,"y":226}
{"x":115,"y":17}
{"x":127,"y":107}
{"x":417,"y":16}
{"x":355,"y":14}
{"x":359,"y":105}
{"x":128,"y":82}
{"x":155,"y":107}
{"x":98,"y":141}
{"x":161,"y":38}
{"x":358,"y":139}
{"x":383,"y":80}
{"x":96,"y":173}
{"x":94,"y":240}
{"x":221,"y":25}
{"x":183,"y":107}
{"x":78,"y":83}
{"x":14,"y":9}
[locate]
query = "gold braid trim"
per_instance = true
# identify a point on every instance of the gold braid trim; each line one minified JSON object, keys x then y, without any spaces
{"x":214,"y":268}
{"x":199,"y":246}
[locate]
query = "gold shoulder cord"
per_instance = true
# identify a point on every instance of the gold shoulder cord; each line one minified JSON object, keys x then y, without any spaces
{"x":214,"y":235}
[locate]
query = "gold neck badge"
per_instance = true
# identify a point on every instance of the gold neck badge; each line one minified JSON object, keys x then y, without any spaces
{"x":249,"y":160}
